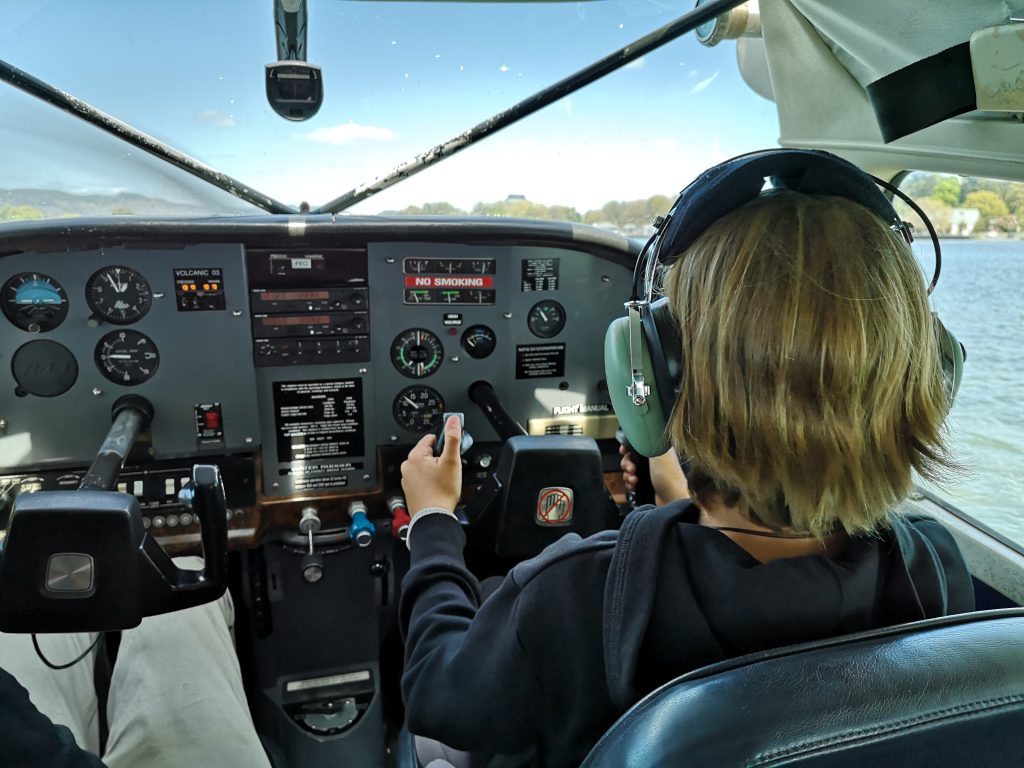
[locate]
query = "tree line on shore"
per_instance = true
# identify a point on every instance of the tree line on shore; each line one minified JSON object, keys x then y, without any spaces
{"x":1000,"y":205}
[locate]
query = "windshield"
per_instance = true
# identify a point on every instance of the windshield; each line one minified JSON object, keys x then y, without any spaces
{"x":398,"y":78}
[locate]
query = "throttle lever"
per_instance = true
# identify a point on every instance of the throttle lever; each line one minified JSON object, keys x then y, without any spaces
{"x":467,"y":439}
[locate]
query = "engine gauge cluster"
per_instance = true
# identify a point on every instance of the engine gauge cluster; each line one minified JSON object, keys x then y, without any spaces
{"x":119,"y":295}
{"x":34,"y":302}
{"x":417,"y":353}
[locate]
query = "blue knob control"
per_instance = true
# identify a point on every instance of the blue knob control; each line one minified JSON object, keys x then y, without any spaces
{"x":362,"y":531}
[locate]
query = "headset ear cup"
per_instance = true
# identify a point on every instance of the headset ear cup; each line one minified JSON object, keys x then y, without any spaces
{"x":645,"y":425}
{"x":952,"y":356}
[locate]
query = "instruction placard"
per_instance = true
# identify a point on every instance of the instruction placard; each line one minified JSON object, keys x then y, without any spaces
{"x":540,"y":275}
{"x":537,"y":361}
{"x":318,"y":419}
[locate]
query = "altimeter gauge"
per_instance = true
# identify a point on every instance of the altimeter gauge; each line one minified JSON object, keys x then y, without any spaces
{"x":34,"y":302}
{"x":418,"y":408}
{"x":127,"y":357}
{"x":119,"y":295}
{"x":417,"y":353}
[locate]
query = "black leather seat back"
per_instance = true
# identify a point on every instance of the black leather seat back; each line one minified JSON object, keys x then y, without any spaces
{"x":551,"y":485}
{"x":942,"y":692}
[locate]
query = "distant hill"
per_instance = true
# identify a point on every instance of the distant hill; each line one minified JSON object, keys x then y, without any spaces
{"x":52,"y":204}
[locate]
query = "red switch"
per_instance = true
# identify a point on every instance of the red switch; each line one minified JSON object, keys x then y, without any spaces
{"x":211,"y":420}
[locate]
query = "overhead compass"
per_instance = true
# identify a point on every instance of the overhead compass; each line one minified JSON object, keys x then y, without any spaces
{"x":119,"y":295}
{"x":417,"y":353}
{"x":34,"y":302}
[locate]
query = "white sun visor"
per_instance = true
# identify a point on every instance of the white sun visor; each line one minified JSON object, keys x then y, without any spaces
{"x":997,"y":59}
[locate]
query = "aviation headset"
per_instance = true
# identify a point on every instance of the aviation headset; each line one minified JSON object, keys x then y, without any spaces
{"x":643,"y":351}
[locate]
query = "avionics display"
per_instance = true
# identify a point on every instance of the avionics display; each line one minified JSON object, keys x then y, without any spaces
{"x":309,"y":308}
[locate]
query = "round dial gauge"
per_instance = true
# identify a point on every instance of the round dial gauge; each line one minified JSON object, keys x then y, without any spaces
{"x":479,"y":341}
{"x":418,"y":408}
{"x":546,"y":318}
{"x":34,"y":302}
{"x":119,"y":295}
{"x":127,"y":357}
{"x":417,"y":353}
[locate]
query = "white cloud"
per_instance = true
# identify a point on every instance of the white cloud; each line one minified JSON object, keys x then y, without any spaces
{"x":635,"y":64}
{"x":216,"y":117}
{"x":703,"y":84}
{"x":665,"y":144}
{"x":348,"y":132}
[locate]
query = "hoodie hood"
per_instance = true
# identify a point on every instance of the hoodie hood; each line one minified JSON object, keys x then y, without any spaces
{"x":680,"y":595}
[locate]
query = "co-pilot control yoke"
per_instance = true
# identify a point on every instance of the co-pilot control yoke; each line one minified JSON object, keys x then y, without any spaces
{"x":81,"y":561}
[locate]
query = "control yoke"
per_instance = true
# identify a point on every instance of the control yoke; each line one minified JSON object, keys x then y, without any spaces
{"x":82,"y":561}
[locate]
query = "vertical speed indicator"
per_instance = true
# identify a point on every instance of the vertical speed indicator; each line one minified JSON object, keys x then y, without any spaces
{"x":417,"y":353}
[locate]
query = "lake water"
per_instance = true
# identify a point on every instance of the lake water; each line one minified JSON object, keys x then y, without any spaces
{"x":980,"y":298}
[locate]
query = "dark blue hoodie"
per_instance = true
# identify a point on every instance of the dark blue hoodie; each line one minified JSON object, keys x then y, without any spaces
{"x":539,"y":671}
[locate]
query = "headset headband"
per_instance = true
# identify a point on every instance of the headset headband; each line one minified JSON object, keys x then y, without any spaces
{"x":729,"y":185}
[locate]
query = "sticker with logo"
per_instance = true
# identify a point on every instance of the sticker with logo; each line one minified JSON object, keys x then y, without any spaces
{"x":554,"y":506}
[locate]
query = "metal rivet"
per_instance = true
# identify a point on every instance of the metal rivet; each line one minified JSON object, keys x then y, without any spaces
{"x":393,"y":438}
{"x":3,"y":425}
{"x":605,"y":279}
{"x":507,"y":315}
{"x":158,"y":295}
{"x":362,"y":371}
{"x":275,"y":486}
{"x":236,"y":313}
{"x":96,"y":391}
{"x":390,"y":259}
{"x":366,"y":477}
{"x":250,"y":440}
{"x":455,"y":358}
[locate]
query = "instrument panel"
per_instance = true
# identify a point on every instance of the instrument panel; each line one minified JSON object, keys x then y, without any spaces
{"x":307,"y":362}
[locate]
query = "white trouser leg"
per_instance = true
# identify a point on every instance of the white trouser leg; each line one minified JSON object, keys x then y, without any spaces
{"x":66,"y":696}
{"x":176,"y":698}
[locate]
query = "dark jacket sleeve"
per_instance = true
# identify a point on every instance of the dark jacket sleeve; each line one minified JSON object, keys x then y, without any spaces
{"x":29,"y":739}
{"x":466,"y":674}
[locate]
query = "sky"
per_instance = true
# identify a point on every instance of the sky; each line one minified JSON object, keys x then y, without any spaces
{"x":399,"y":77}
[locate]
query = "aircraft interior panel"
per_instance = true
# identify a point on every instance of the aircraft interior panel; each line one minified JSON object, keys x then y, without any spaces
{"x":303,"y":371}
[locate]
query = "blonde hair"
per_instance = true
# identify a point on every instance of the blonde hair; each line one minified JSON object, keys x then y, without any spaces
{"x":811,"y":384}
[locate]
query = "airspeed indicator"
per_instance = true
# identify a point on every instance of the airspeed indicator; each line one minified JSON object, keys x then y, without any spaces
{"x":417,"y":353}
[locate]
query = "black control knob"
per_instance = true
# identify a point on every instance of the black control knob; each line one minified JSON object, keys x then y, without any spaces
{"x":312,"y":567}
